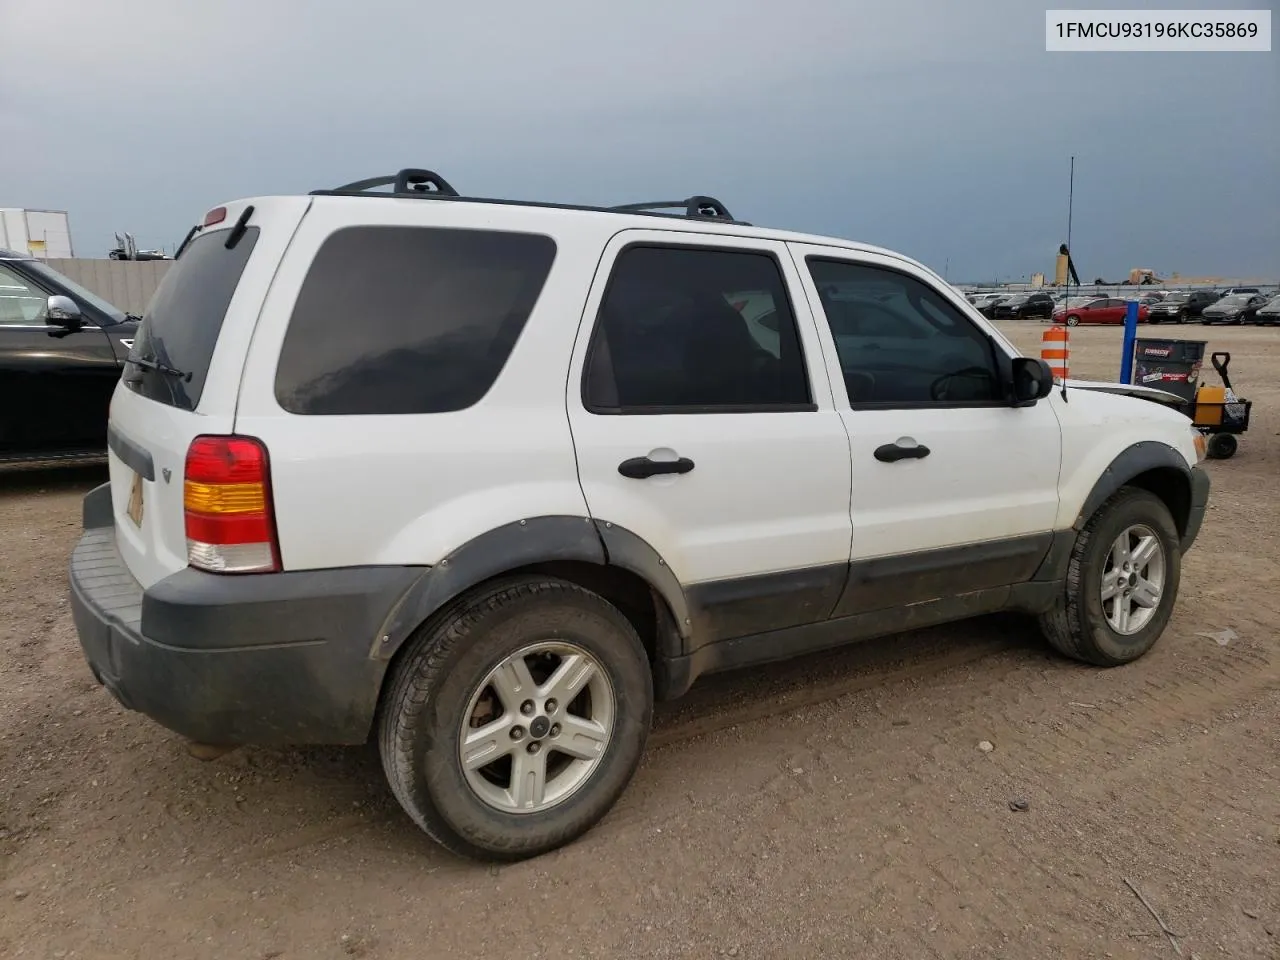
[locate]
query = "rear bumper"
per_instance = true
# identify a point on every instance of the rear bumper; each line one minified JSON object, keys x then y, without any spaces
{"x":270,"y":659}
{"x":1199,"y":503}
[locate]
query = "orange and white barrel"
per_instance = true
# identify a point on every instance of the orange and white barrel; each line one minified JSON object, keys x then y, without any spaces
{"x":1055,"y":351}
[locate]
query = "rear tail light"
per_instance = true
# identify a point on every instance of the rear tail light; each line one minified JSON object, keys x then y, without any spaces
{"x":230,"y":521}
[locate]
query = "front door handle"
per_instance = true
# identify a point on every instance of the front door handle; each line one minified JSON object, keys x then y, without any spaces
{"x":638,"y":468}
{"x":893,"y":452}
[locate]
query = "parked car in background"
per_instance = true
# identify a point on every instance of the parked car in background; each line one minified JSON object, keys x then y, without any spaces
{"x":986,"y":302}
{"x":1182,"y":305}
{"x":1097,"y":310}
{"x":988,"y":309}
{"x":62,"y":348}
{"x":1232,"y":291}
{"x":1269,"y":313}
{"x":1022,"y":305}
{"x":1236,"y":308}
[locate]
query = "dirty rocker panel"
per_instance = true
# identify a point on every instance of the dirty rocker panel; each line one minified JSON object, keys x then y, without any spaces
{"x":895,"y":581}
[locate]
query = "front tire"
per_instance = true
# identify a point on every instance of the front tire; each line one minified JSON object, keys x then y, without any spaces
{"x":514,"y":723}
{"x":1073,"y":321}
{"x":1122,"y":582}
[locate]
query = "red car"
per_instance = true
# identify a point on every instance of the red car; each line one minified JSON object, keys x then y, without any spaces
{"x":1100,"y":310}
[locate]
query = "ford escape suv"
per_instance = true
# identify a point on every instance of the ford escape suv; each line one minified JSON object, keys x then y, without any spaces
{"x":480,"y":480}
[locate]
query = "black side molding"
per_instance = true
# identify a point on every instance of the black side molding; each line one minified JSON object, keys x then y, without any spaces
{"x":134,"y":456}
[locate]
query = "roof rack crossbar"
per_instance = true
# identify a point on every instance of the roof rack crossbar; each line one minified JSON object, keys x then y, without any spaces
{"x":409,"y":180}
{"x":696,"y":206}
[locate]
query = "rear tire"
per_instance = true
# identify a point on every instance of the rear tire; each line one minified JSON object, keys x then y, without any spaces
{"x":458,"y":675}
{"x":1084,"y":623}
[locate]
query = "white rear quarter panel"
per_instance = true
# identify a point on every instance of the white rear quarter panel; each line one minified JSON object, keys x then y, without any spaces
{"x":409,"y":489}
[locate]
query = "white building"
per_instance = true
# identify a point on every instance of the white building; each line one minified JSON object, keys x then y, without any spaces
{"x":40,"y":233}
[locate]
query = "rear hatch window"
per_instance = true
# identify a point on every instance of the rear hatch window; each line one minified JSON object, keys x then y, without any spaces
{"x":174,"y":346}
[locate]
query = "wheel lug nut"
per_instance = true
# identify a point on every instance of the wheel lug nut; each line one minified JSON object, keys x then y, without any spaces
{"x":550,"y":706}
{"x":555,"y":729}
{"x":535,"y":747}
{"x":517,"y":733}
{"x":527,"y":707}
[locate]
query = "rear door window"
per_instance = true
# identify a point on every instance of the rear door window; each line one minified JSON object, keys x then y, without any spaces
{"x":183,"y":320}
{"x":404,"y":320}
{"x":689,"y":330}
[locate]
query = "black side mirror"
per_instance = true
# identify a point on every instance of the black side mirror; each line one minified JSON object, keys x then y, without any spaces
{"x":62,"y":315}
{"x":1032,"y":381}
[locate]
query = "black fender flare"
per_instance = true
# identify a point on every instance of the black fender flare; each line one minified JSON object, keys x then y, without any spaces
{"x":633,"y":553}
{"x":524,"y":543}
{"x":1133,"y":461}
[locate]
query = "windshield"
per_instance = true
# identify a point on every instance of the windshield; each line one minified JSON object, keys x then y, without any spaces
{"x":1177,"y":297}
{"x":1236,"y":300}
{"x":54,"y":277}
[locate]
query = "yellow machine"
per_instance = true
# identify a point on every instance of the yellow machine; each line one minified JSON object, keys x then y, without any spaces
{"x":1219,"y":413}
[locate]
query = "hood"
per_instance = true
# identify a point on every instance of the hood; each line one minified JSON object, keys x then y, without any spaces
{"x":1128,"y":390}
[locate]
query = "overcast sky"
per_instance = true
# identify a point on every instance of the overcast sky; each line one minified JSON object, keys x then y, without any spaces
{"x":940,"y":128}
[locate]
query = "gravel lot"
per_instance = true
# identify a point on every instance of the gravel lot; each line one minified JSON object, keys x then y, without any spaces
{"x":838,"y":806}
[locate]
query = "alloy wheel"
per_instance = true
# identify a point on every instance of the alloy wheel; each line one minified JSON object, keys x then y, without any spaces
{"x":1133,"y":579}
{"x":537,"y":727}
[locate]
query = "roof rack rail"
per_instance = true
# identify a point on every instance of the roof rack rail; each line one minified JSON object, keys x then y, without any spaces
{"x":697,"y":206}
{"x":407,"y":181}
{"x":427,"y":184}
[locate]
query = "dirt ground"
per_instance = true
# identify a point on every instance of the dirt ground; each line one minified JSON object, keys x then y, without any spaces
{"x":838,"y":806}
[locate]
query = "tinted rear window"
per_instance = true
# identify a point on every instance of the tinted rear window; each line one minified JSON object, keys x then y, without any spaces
{"x":394,"y":320}
{"x":185,"y":316}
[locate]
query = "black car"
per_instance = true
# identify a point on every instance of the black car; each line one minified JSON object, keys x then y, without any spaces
{"x":1269,"y":315}
{"x":1022,"y":305}
{"x":61,"y":351}
{"x":1236,"y":308}
{"x":1181,"y":306}
{"x":987,"y":306}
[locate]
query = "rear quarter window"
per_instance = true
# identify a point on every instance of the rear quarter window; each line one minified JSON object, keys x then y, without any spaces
{"x":405,"y":320}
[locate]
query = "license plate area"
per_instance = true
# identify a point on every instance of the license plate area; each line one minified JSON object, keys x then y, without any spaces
{"x":137,"y":493}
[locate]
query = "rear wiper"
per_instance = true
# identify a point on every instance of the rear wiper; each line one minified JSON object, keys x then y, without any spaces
{"x":148,"y":363}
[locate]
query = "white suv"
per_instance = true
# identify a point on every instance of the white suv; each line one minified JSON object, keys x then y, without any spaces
{"x":484,"y":479}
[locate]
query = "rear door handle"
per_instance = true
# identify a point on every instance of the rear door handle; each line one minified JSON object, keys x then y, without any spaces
{"x":638,"y":468}
{"x":893,"y":452}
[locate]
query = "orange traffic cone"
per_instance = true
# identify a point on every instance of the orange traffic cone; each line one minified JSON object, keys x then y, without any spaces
{"x":1055,"y":351}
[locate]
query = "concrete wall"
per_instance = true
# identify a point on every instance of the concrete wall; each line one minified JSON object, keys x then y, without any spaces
{"x":128,"y":284}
